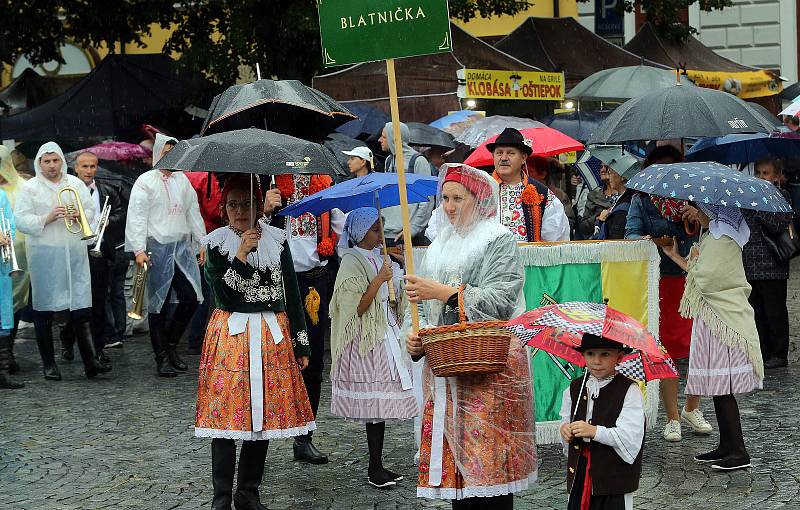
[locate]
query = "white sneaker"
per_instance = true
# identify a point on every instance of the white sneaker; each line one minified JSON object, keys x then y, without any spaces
{"x":696,"y":420}
{"x":672,"y":431}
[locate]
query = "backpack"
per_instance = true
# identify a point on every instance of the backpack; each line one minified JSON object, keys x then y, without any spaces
{"x":414,"y":158}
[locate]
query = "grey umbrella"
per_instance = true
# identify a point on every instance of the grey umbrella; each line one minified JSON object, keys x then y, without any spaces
{"x":487,"y":127}
{"x":251,"y":150}
{"x":282,"y":106}
{"x":429,"y":136}
{"x":680,"y":112}
{"x":624,"y":83}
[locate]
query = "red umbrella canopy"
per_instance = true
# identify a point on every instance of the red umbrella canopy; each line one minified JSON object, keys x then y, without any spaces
{"x":545,"y":142}
{"x":565,"y":323}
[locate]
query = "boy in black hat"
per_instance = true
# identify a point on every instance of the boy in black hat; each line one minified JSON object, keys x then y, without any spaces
{"x":603,"y":436}
{"x":527,"y":207}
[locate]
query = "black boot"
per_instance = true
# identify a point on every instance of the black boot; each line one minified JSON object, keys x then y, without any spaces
{"x":13,"y":365}
{"x":721,"y":450}
{"x":223,"y":463}
{"x":251,"y":471}
{"x":729,"y":420}
{"x":163,"y":366}
{"x":7,"y":381}
{"x":180,"y":320}
{"x":91,"y":364}
{"x":44,"y":340}
{"x":305,"y":451}
{"x":376,"y":475}
{"x":67,"y":337}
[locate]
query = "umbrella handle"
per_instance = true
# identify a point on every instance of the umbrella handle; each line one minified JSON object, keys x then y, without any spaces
{"x":690,"y":227}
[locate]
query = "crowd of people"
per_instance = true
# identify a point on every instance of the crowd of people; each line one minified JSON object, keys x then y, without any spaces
{"x":258,"y":294}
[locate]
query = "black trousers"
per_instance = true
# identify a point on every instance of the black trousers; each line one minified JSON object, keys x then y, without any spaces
{"x":100,"y":268}
{"x":611,"y":502}
{"x":187,"y":299}
{"x":768,"y":300}
{"x":496,"y":503}
{"x":45,"y":318}
{"x":321,"y":279}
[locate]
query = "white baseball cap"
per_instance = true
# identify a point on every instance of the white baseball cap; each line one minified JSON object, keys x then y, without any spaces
{"x":361,"y":152}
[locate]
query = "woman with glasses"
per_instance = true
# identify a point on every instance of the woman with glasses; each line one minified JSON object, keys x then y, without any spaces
{"x":250,"y":386}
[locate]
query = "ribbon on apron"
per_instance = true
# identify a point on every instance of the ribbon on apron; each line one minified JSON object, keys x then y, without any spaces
{"x":238,"y":322}
{"x":440,"y":385}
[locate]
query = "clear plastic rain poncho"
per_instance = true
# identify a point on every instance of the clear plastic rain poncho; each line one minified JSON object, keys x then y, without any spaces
{"x":478,"y":436}
{"x":58,"y":261}
{"x":164,"y":220}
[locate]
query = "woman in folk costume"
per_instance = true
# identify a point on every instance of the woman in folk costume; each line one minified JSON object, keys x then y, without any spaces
{"x":162,"y":229}
{"x":725,"y":354}
{"x":370,"y":377}
{"x":478,"y":441}
{"x":14,"y":292}
{"x":250,"y":387}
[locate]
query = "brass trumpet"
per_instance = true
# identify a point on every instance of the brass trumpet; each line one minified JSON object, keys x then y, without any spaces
{"x":101,"y":229}
{"x":8,"y":253}
{"x":73,"y":208}
{"x":139,"y":285}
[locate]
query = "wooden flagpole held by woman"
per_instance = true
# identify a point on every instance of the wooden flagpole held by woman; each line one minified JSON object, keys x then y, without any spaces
{"x":401,"y":180}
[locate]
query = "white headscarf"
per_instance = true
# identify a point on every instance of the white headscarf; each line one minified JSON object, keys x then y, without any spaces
{"x":158,"y":145}
{"x":726,"y":221}
{"x":358,"y":223}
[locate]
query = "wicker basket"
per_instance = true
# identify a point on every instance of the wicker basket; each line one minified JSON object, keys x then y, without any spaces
{"x":466,"y":348}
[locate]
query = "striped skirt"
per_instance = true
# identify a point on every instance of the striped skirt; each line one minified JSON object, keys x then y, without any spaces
{"x":717,"y":369}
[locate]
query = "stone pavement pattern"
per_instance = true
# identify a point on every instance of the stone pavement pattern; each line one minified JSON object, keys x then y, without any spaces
{"x":125,"y":441}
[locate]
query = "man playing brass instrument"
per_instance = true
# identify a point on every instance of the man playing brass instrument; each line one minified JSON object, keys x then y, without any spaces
{"x":100,"y":267}
{"x":57,"y":258}
{"x":164,"y":221}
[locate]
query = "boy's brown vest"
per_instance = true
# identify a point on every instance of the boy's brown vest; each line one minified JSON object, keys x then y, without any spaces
{"x":610,"y":474}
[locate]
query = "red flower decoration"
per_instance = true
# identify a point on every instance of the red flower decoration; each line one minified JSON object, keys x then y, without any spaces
{"x":325,"y":247}
{"x":285,"y":184}
{"x":533,"y":199}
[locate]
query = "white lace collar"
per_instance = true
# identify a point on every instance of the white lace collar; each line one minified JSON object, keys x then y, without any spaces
{"x":269,"y":250}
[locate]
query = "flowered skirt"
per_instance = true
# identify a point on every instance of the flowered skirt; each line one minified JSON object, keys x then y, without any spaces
{"x":489,"y":438}
{"x":717,"y":369}
{"x":223,"y":391}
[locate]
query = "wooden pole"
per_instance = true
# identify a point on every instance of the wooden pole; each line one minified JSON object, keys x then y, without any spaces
{"x":386,"y":258}
{"x":401,"y":180}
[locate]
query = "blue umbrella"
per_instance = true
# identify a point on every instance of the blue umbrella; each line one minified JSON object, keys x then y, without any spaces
{"x":711,"y":184}
{"x":747,"y":148}
{"x":579,"y":124}
{"x":369,"y":122}
{"x":371,"y":190}
{"x":447,"y":120}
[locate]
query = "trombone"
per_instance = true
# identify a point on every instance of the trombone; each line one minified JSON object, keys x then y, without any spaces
{"x":101,"y":229}
{"x":75,"y":207}
{"x":8,"y":253}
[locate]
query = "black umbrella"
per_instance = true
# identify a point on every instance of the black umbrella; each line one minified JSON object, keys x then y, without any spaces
{"x":338,"y":142}
{"x":370,"y":121}
{"x":579,"y":124}
{"x":251,"y":150}
{"x":282,"y":106}
{"x":680,"y":112}
{"x":429,"y":136}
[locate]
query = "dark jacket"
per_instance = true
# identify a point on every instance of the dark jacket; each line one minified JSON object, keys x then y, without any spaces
{"x":615,"y":223}
{"x":596,"y":202}
{"x":644,"y":219}
{"x":115,"y":231}
{"x":759,"y":261}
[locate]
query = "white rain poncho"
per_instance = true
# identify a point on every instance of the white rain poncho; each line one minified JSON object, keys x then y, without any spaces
{"x":477,"y":432}
{"x":164,"y":219}
{"x":58,"y":261}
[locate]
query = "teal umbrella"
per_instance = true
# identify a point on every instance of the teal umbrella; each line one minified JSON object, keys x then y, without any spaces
{"x":622,"y":161}
{"x":621,"y":83}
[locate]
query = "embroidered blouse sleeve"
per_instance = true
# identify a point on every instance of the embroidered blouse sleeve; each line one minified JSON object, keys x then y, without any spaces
{"x":555,"y":224}
{"x":627,"y":435}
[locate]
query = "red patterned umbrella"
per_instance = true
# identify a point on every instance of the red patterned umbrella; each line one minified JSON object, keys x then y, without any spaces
{"x":558,"y":328}
{"x":118,"y":151}
{"x":545,"y":141}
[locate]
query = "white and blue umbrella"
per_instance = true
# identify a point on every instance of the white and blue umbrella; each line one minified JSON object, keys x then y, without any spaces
{"x":710,"y":184}
{"x":372,"y":190}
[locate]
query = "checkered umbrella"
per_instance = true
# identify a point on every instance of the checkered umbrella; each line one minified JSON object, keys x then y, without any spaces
{"x":558,"y":328}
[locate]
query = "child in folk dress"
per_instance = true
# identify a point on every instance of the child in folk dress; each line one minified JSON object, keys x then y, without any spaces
{"x":370,"y":377}
{"x":603,"y":436}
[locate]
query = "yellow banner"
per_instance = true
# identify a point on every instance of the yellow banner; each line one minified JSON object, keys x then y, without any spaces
{"x":531,"y":86}
{"x":746,"y":84}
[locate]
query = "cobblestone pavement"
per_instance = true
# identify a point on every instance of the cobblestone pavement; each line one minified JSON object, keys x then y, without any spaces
{"x":124,"y":441}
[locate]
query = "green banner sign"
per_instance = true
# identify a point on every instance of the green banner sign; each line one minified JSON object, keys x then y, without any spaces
{"x":355,"y":31}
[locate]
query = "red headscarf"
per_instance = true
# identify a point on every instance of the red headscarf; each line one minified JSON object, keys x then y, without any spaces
{"x":477,"y":186}
{"x":242,"y":182}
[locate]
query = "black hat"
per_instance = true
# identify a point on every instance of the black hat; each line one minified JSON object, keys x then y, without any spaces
{"x":511,"y":137}
{"x":589,"y":341}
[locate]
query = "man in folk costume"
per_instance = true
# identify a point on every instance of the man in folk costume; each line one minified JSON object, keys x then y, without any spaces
{"x":57,"y":258}
{"x":527,"y":207}
{"x":163,"y":229}
{"x":312,"y":242}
